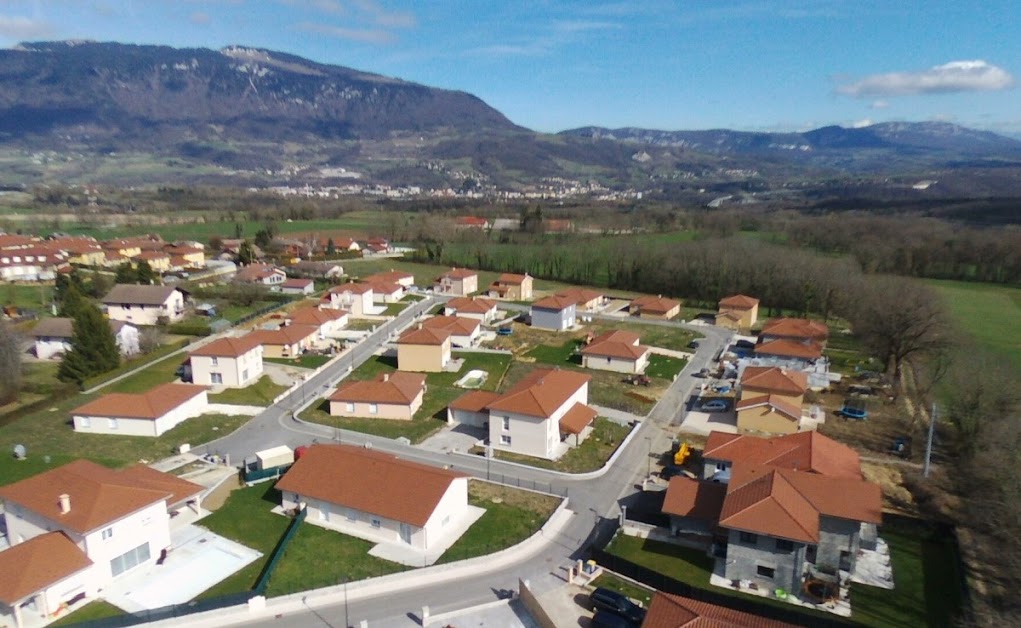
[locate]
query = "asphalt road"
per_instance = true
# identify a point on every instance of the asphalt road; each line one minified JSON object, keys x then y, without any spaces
{"x":593,"y":501}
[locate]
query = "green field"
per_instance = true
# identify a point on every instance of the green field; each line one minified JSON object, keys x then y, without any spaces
{"x":989,"y":313}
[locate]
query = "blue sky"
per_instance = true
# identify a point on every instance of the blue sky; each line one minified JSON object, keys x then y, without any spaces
{"x":553,"y":65}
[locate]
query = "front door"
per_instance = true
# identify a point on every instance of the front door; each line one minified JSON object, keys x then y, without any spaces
{"x":406,"y":533}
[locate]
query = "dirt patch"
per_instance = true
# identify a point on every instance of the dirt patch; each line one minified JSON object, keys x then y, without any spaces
{"x":219,"y":495}
{"x":535,"y":502}
{"x":891,"y":479}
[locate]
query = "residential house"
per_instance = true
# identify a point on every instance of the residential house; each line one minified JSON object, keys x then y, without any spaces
{"x":512,"y":287}
{"x":32,"y":263}
{"x":376,"y":496}
{"x":793,"y":507}
{"x":157,"y":260}
{"x":385,"y":292}
{"x":342,"y":244}
{"x":424,"y":350}
{"x":472,"y":307}
{"x":17,"y":241}
{"x":377,"y":246}
{"x":389,"y":396}
{"x":617,"y":351}
{"x":261,"y":275}
{"x":471,"y":222}
{"x":556,"y":313}
{"x":78,"y":527}
{"x":738,"y":312}
{"x":80,"y":250}
{"x":193,"y":254}
{"x":141,"y":414}
{"x":53,"y":337}
{"x":145,"y":305}
{"x":230,"y":362}
{"x":584,"y":298}
{"x":459,"y":282}
{"x":656,"y":307}
{"x":356,"y":298}
{"x":329,"y":322}
{"x":289,"y":341}
{"x":298,"y":286}
{"x":667,"y":610}
{"x":317,"y":270}
{"x":800,"y":330}
{"x":770,"y":400}
{"x":464,"y":331}
{"x":794,"y":343}
{"x":543,"y":415}
{"x":405,"y":280}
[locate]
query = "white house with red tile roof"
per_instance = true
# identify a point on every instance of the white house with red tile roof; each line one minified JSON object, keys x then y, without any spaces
{"x":389,"y":396}
{"x":145,"y":305}
{"x":618,"y":351}
{"x":32,"y":263}
{"x":655,"y":307}
{"x":465,"y":332}
{"x":77,"y":527}
{"x":356,"y":298}
{"x":141,"y":414}
{"x":556,"y":313}
{"x":538,"y":416}
{"x":289,"y":341}
{"x":261,"y":274}
{"x":385,"y":291}
{"x":329,"y":321}
{"x":229,"y":362}
{"x":378,"y":497}
{"x":298,"y":285}
{"x":403,"y":279}
{"x":459,"y":282}
{"x":584,"y":298}
{"x":472,"y":307}
{"x":674,"y":611}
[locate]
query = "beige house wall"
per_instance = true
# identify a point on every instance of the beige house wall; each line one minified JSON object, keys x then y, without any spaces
{"x":172,"y":309}
{"x":423,"y":358}
{"x":364,"y":410}
{"x":231,"y":369}
{"x":616,"y":365}
{"x":529,"y":435}
{"x":763,"y":419}
{"x":662,"y":317}
{"x":794,"y":400}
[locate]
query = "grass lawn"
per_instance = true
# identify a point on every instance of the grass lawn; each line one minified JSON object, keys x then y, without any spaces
{"x":664,"y":366}
{"x":149,"y":377}
{"x":626,"y":587}
{"x":557,"y":354}
{"x":261,"y":393}
{"x":234,"y":313}
{"x":987,"y":312}
{"x":305,"y":361}
{"x":512,"y":515}
{"x":315,"y":558}
{"x":393,"y":309}
{"x":28,"y":297}
{"x":363,"y":324}
{"x":99,"y":609}
{"x":431,"y":417}
{"x":135,"y":362}
{"x":592,"y":454}
{"x":673,"y":338}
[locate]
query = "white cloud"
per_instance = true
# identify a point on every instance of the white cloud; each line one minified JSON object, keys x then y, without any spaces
{"x":861,"y":124}
{"x":370,"y":36}
{"x":383,"y":17}
{"x":581,"y":26}
{"x":955,"y":76}
{"x":513,"y":50}
{"x":879,"y":104}
{"x":20,"y":27}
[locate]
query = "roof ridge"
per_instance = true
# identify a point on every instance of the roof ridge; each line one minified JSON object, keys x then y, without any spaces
{"x":777,"y":471}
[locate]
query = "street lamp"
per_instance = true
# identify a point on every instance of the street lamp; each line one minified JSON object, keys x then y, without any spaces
{"x":648,"y":472}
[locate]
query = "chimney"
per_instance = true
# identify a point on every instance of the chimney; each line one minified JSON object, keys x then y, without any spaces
{"x":386,"y":377}
{"x":65,"y":503}
{"x":420,"y":325}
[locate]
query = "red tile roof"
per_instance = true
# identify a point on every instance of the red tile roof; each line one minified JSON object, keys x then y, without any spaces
{"x":796,"y":328}
{"x":286,"y":335}
{"x":655,"y":305}
{"x":389,"y":276}
{"x":354,"y":288}
{"x":471,"y":305}
{"x":738,"y":302}
{"x":458,"y":273}
{"x":297,"y":283}
{"x":554,"y":303}
{"x":673,"y":611}
{"x":35,"y":564}
{"x":577,"y":419}
{"x":790,"y":349}
{"x":369,"y":481}
{"x":472,"y":221}
{"x":313,"y":315}
{"x":772,"y":379}
{"x":257,"y":272}
{"x":512,"y":279}
{"x":474,"y":401}
{"x":457,"y":325}
{"x":380,"y":286}
{"x":398,"y":388}
{"x":775,"y":403}
{"x":99,"y":496}
{"x":616,"y":344}
{"x":805,"y":451}
{"x":695,"y":499}
{"x":228,"y":347}
{"x":580,"y":295}
{"x":150,"y":405}
{"x":424,"y":336}
{"x":541,"y":393}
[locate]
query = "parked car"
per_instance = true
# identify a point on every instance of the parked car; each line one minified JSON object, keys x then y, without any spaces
{"x":617,"y":604}
{"x":715,"y":405}
{"x":184,"y":372}
{"x":606,"y":619}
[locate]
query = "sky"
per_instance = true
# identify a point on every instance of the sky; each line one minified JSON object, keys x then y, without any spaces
{"x":554,"y":65}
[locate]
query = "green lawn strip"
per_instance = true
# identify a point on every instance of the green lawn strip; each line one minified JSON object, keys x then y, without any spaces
{"x":149,"y":377}
{"x":845,"y":362}
{"x":592,"y":454}
{"x":634,"y":591}
{"x":557,"y":355}
{"x":142,"y":360}
{"x":13,"y":470}
{"x":315,"y":558}
{"x":393,"y":309}
{"x":987,"y":312}
{"x":688,"y":565}
{"x":431,"y":417}
{"x":673,"y":338}
{"x":305,"y":361}
{"x":28,"y":297}
{"x":261,"y":393}
{"x":512,"y":515}
{"x":363,"y":324}
{"x":664,"y":366}
{"x":234,"y":313}
{"x":99,"y":609}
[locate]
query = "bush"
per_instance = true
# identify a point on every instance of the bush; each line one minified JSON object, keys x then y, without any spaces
{"x":190,"y":328}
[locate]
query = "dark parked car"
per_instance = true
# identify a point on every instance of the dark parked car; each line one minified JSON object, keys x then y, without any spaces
{"x":617,"y":604}
{"x":606,"y":619}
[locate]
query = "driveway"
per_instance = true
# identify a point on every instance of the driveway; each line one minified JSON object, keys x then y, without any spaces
{"x":698,"y":422}
{"x":456,"y":438}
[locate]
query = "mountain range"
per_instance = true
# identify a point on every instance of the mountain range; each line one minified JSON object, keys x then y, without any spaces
{"x":252,"y":116}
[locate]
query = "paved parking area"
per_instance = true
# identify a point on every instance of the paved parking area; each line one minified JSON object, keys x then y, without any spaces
{"x":698,"y":422}
{"x":567,"y":605}
{"x":457,"y":438}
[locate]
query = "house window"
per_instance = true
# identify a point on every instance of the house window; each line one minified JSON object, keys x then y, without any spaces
{"x":506,"y":423}
{"x":244,"y":375}
{"x":749,"y":538}
{"x":373,"y":408}
{"x":505,"y":440}
{"x":84,"y":422}
{"x":214,"y":361}
{"x":765,"y":572}
{"x":349,"y":407}
{"x":107,"y":534}
{"x":216,"y":378}
{"x":111,"y":423}
{"x":130,"y":559}
{"x":376,"y":523}
{"x":721,"y":466}
{"x":783,"y":545}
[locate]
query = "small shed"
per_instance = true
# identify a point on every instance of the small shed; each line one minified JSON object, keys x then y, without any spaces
{"x":274,"y":457}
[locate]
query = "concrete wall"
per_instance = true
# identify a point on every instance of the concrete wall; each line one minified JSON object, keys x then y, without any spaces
{"x":763,"y":419}
{"x":743,"y":560}
{"x":452,"y":508}
{"x":49,"y":600}
{"x":423,"y":358}
{"x":383,"y":410}
{"x":836,"y":536}
{"x":557,"y":320}
{"x":534,"y":607}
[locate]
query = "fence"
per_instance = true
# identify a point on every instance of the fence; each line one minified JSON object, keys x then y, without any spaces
{"x":252,"y":476}
{"x":278,"y":552}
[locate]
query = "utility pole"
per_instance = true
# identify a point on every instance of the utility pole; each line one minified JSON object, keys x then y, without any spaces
{"x":928,"y":444}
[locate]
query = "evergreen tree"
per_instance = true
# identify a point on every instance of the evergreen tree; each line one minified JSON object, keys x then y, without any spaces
{"x":72,"y":301}
{"x":331,"y":247}
{"x":93,"y":347}
{"x":126,"y":273}
{"x":144,"y":273}
{"x":245,"y":253}
{"x":10,"y":364}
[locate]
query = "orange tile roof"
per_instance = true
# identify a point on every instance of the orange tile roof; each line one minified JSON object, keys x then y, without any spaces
{"x":399,"y":388}
{"x":772,"y":379}
{"x":806,"y":451}
{"x":150,"y":405}
{"x":696,"y":499}
{"x":297,"y":283}
{"x":99,"y":496}
{"x":784,"y":347}
{"x":151,"y":255}
{"x":227,"y":347}
{"x":655,"y":305}
{"x":424,"y":336}
{"x":384,"y":287}
{"x":257,"y":272}
{"x":796,"y":328}
{"x":35,"y":564}
{"x":355,"y":288}
{"x":577,"y":419}
{"x":777,"y":404}
{"x":458,"y":325}
{"x":471,"y":305}
{"x":458,"y":273}
{"x":369,"y":481}
{"x":474,"y":401}
{"x":580,"y":295}
{"x":738,"y":302}
{"x":313,"y":315}
{"x":555,"y":303}
{"x":512,"y":279}
{"x":673,"y":611}
{"x":286,"y":335}
{"x":16,"y":240}
{"x":616,"y":344}
{"x":541,"y":393}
